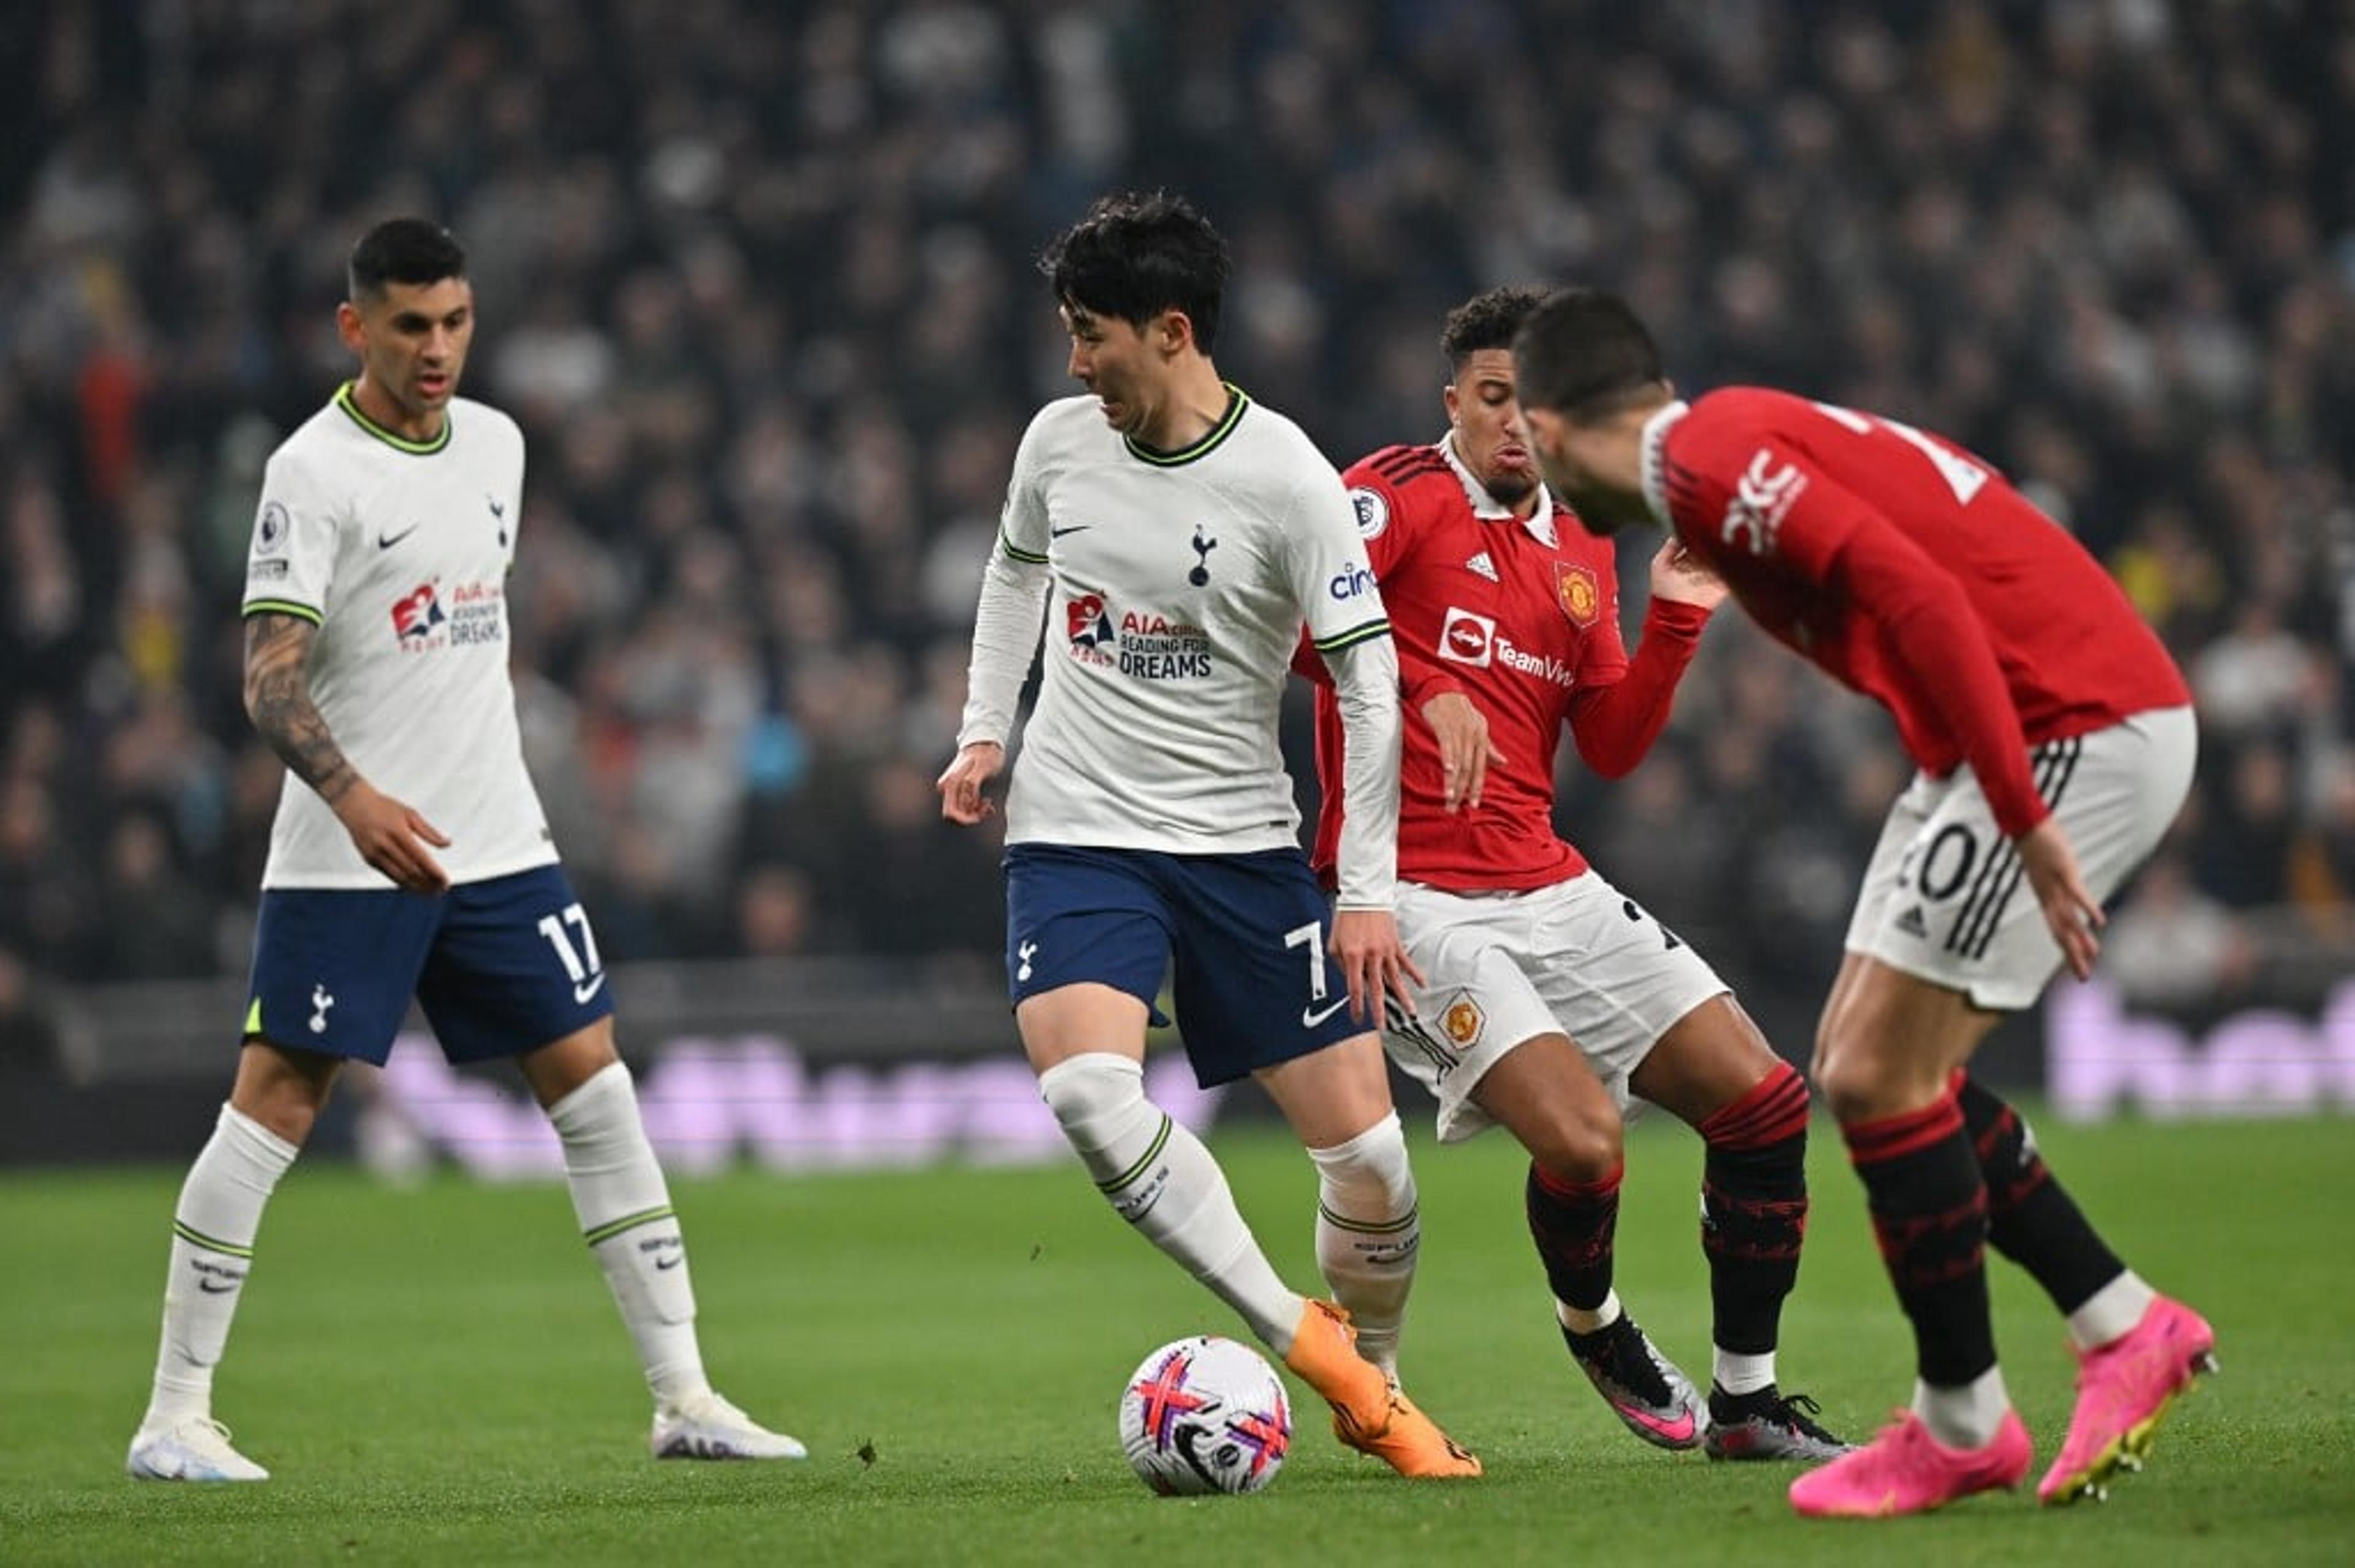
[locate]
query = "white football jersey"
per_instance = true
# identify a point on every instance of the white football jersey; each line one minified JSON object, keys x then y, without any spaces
{"x":398,"y":550}
{"x":1180,"y":581}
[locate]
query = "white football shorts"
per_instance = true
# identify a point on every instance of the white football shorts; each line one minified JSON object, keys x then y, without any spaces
{"x":1579,"y":958}
{"x":1944,"y":899}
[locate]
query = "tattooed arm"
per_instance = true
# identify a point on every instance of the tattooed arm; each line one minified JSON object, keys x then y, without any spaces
{"x":390,"y":836}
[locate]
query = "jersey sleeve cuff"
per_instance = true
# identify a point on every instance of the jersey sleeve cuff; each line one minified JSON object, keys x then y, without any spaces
{"x":282,"y":607}
{"x":1351,"y":637}
{"x":1015,"y":552}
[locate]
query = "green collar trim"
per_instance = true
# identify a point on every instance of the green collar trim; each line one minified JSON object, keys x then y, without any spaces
{"x":393,"y":439}
{"x":1237,"y":402}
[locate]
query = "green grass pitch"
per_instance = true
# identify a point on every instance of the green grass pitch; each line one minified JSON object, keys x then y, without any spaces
{"x":436,"y":1376}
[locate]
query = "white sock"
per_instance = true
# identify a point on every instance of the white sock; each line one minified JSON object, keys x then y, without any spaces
{"x":2111,"y":1311}
{"x":1367,"y":1231}
{"x":1737,"y":1373}
{"x":1159,"y":1178}
{"x":625,"y":1215}
{"x":1579,"y":1320}
{"x":212,"y":1246}
{"x":1965,"y":1417}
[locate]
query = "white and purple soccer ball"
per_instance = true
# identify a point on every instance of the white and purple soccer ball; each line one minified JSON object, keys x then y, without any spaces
{"x":1205,"y":1415}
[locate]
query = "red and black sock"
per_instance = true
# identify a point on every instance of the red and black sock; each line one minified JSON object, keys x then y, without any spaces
{"x":2032,"y":1218}
{"x":1573,"y":1223}
{"x":1753,"y":1196}
{"x":1929,"y":1210}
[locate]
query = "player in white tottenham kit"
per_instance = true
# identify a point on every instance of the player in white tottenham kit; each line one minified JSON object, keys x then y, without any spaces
{"x":410,"y":855}
{"x":1177,"y":536}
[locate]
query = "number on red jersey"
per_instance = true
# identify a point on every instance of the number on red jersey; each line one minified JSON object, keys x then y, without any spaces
{"x":1963,"y":477}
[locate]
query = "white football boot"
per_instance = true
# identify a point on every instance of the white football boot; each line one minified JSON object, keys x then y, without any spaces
{"x":193,"y":1448}
{"x":706,"y":1426}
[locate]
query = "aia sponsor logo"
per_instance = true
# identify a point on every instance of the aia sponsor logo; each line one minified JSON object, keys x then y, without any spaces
{"x":472,"y":614}
{"x":1763,"y":497}
{"x":1088,"y":624}
{"x":417,"y":614}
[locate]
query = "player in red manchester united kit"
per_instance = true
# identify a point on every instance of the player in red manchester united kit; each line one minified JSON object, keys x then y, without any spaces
{"x":1548,"y":994}
{"x":2055,"y":742}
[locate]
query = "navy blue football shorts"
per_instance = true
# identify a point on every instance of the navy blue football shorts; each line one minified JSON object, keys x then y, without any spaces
{"x":501,"y":968}
{"x":1246,"y":935}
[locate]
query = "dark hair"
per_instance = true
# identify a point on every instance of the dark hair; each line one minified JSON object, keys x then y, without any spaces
{"x":1487,"y":321}
{"x":1135,"y":255}
{"x":1585,"y":355}
{"x":403,"y":251}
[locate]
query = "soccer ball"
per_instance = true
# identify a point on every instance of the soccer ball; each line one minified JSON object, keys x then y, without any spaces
{"x":1204,"y":1414}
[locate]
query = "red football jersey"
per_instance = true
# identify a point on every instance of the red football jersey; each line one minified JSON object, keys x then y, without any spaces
{"x":1523,"y":618}
{"x":1910,"y":570}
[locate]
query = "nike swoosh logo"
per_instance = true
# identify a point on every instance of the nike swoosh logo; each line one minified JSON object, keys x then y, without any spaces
{"x":386,"y":541}
{"x":209,"y":1288}
{"x":588,"y":988}
{"x":1075,"y":528}
{"x":673,"y":1260}
{"x":1680,"y":1430}
{"x":1311,"y":1016}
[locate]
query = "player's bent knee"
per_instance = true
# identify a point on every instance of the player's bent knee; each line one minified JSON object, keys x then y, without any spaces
{"x":1371,"y":1168}
{"x":1093,"y":1093}
{"x":1862,"y":1082}
{"x":1579,"y":1147}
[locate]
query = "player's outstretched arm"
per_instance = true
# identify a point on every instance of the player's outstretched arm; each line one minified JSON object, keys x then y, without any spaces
{"x":388,"y":834}
{"x":2071,"y":909}
{"x":1615,"y":725}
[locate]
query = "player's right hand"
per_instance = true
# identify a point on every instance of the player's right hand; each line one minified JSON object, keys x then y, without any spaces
{"x":391,"y":837}
{"x":1373,"y":959}
{"x":2071,"y":911}
{"x":961,"y":784}
{"x":1680,"y":577}
{"x":1466,"y":752}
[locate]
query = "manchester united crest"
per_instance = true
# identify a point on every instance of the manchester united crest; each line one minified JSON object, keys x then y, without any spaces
{"x":1462,"y":1021}
{"x":1575,"y":590}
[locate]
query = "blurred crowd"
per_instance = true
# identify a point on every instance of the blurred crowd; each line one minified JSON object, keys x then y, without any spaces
{"x":759,"y":281}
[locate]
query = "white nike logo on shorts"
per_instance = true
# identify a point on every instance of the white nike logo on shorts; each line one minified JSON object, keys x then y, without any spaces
{"x":588,"y":988}
{"x":1311,"y":1016}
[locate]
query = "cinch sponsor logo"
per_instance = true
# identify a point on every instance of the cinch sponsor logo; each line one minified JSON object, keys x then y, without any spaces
{"x":1467,"y":638}
{"x":1350,"y":584}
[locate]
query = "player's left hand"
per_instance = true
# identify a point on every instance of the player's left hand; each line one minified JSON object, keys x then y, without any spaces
{"x":2071,"y":909}
{"x":1366,"y":946}
{"x":1679,"y":577}
{"x":961,"y":782}
{"x":1466,"y":752}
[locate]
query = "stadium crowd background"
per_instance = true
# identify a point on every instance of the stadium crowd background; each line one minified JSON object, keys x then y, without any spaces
{"x":758,"y":282}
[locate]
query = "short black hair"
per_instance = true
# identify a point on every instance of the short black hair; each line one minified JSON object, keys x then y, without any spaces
{"x":1487,"y":321}
{"x":403,"y":251}
{"x":1585,"y":355}
{"x":1135,"y":255}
